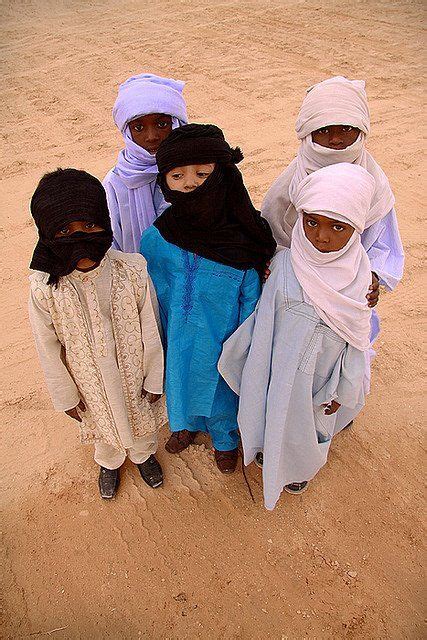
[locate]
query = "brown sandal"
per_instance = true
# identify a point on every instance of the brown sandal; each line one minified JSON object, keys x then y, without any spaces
{"x":226,"y":461}
{"x":180,"y":440}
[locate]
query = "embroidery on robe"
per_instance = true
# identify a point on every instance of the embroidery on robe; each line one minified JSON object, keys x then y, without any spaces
{"x":64,"y":306}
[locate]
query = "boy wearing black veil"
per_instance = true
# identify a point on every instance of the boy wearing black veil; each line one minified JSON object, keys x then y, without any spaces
{"x":95,"y":327}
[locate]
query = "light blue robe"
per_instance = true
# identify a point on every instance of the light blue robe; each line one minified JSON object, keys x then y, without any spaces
{"x":201,"y":304}
{"x":284,"y":362}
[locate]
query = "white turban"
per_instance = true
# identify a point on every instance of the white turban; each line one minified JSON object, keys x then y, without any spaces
{"x":336,"y":283}
{"x":334,"y":101}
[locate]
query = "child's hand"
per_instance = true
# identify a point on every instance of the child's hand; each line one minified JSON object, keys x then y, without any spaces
{"x":374,"y":291}
{"x":151,"y":397}
{"x":73,"y":413}
{"x":267,"y":272}
{"x":331,"y":408}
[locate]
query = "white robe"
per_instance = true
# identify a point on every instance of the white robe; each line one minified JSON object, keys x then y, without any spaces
{"x":285,"y":363}
{"x":89,"y":332}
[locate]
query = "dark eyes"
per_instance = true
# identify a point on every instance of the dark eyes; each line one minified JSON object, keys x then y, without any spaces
{"x":200,"y":174}
{"x":66,"y":230}
{"x":162,"y":124}
{"x":344,"y":128}
{"x":313,"y":224}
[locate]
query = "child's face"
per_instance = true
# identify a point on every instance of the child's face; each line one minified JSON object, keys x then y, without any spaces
{"x":326,"y":234}
{"x":86,"y":227}
{"x":150,"y":130}
{"x":189,"y":177}
{"x":336,"y":136}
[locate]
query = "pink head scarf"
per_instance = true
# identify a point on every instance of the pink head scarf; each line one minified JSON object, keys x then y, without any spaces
{"x":336,"y":283}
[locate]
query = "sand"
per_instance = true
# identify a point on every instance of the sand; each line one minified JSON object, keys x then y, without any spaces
{"x":198,"y":558}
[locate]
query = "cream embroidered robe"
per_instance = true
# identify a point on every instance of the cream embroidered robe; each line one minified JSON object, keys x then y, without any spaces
{"x":97,"y":335}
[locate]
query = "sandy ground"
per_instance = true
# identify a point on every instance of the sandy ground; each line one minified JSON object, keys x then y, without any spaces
{"x":198,"y":558}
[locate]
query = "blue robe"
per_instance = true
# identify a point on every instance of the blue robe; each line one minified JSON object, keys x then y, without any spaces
{"x":201,"y":304}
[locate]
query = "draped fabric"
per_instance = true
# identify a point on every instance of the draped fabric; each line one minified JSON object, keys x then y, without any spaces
{"x":333,"y":101}
{"x":134,"y":198}
{"x":217,"y":220}
{"x":62,"y":197}
{"x":336,"y":282}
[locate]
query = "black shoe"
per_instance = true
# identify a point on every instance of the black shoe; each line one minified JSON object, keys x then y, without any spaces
{"x":296,"y":487}
{"x":108,"y":482}
{"x":151,"y":472}
{"x":259,"y":459}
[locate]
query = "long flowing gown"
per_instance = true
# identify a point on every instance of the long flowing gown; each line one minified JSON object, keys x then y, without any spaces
{"x":201,"y":304}
{"x":285,"y":363}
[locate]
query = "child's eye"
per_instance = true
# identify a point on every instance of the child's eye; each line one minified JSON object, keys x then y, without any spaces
{"x":177,"y":176}
{"x":312,"y":223}
{"x":347,"y":128}
{"x":90,"y":225}
{"x":64,"y":231}
{"x":202,"y":174}
{"x":163,"y":124}
{"x":138,"y":127}
{"x":338,"y":227}
{"x":324,"y":130}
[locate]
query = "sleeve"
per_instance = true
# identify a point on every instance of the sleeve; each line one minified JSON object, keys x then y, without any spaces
{"x":113,"y":208}
{"x":250,"y":291}
{"x":60,"y":384}
{"x":385,"y":251}
{"x":345,"y":384}
{"x":258,"y":329}
{"x":153,"y":349}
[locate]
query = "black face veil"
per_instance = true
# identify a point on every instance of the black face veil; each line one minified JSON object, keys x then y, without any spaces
{"x":217,"y":220}
{"x":62,"y":197}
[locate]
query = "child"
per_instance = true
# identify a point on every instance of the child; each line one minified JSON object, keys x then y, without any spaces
{"x":300,"y":358}
{"x":146,"y":110}
{"x":333,"y":125}
{"x":204,"y":254}
{"x":94,"y":325}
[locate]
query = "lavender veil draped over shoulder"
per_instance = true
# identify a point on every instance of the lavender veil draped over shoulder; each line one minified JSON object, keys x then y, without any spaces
{"x":134,"y":198}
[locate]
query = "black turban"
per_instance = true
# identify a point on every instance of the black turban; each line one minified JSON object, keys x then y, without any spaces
{"x":195,"y":144}
{"x":62,"y":197}
{"x":217,"y":220}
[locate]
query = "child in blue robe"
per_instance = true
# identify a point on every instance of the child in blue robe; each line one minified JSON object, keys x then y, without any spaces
{"x":205,"y":255}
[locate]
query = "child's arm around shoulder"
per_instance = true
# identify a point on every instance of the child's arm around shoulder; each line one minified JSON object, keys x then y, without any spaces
{"x":61,"y":386}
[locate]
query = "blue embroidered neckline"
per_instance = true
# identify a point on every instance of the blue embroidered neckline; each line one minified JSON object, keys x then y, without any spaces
{"x":190,"y":268}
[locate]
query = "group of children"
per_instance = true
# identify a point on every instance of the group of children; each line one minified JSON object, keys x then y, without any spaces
{"x":167,"y":279}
